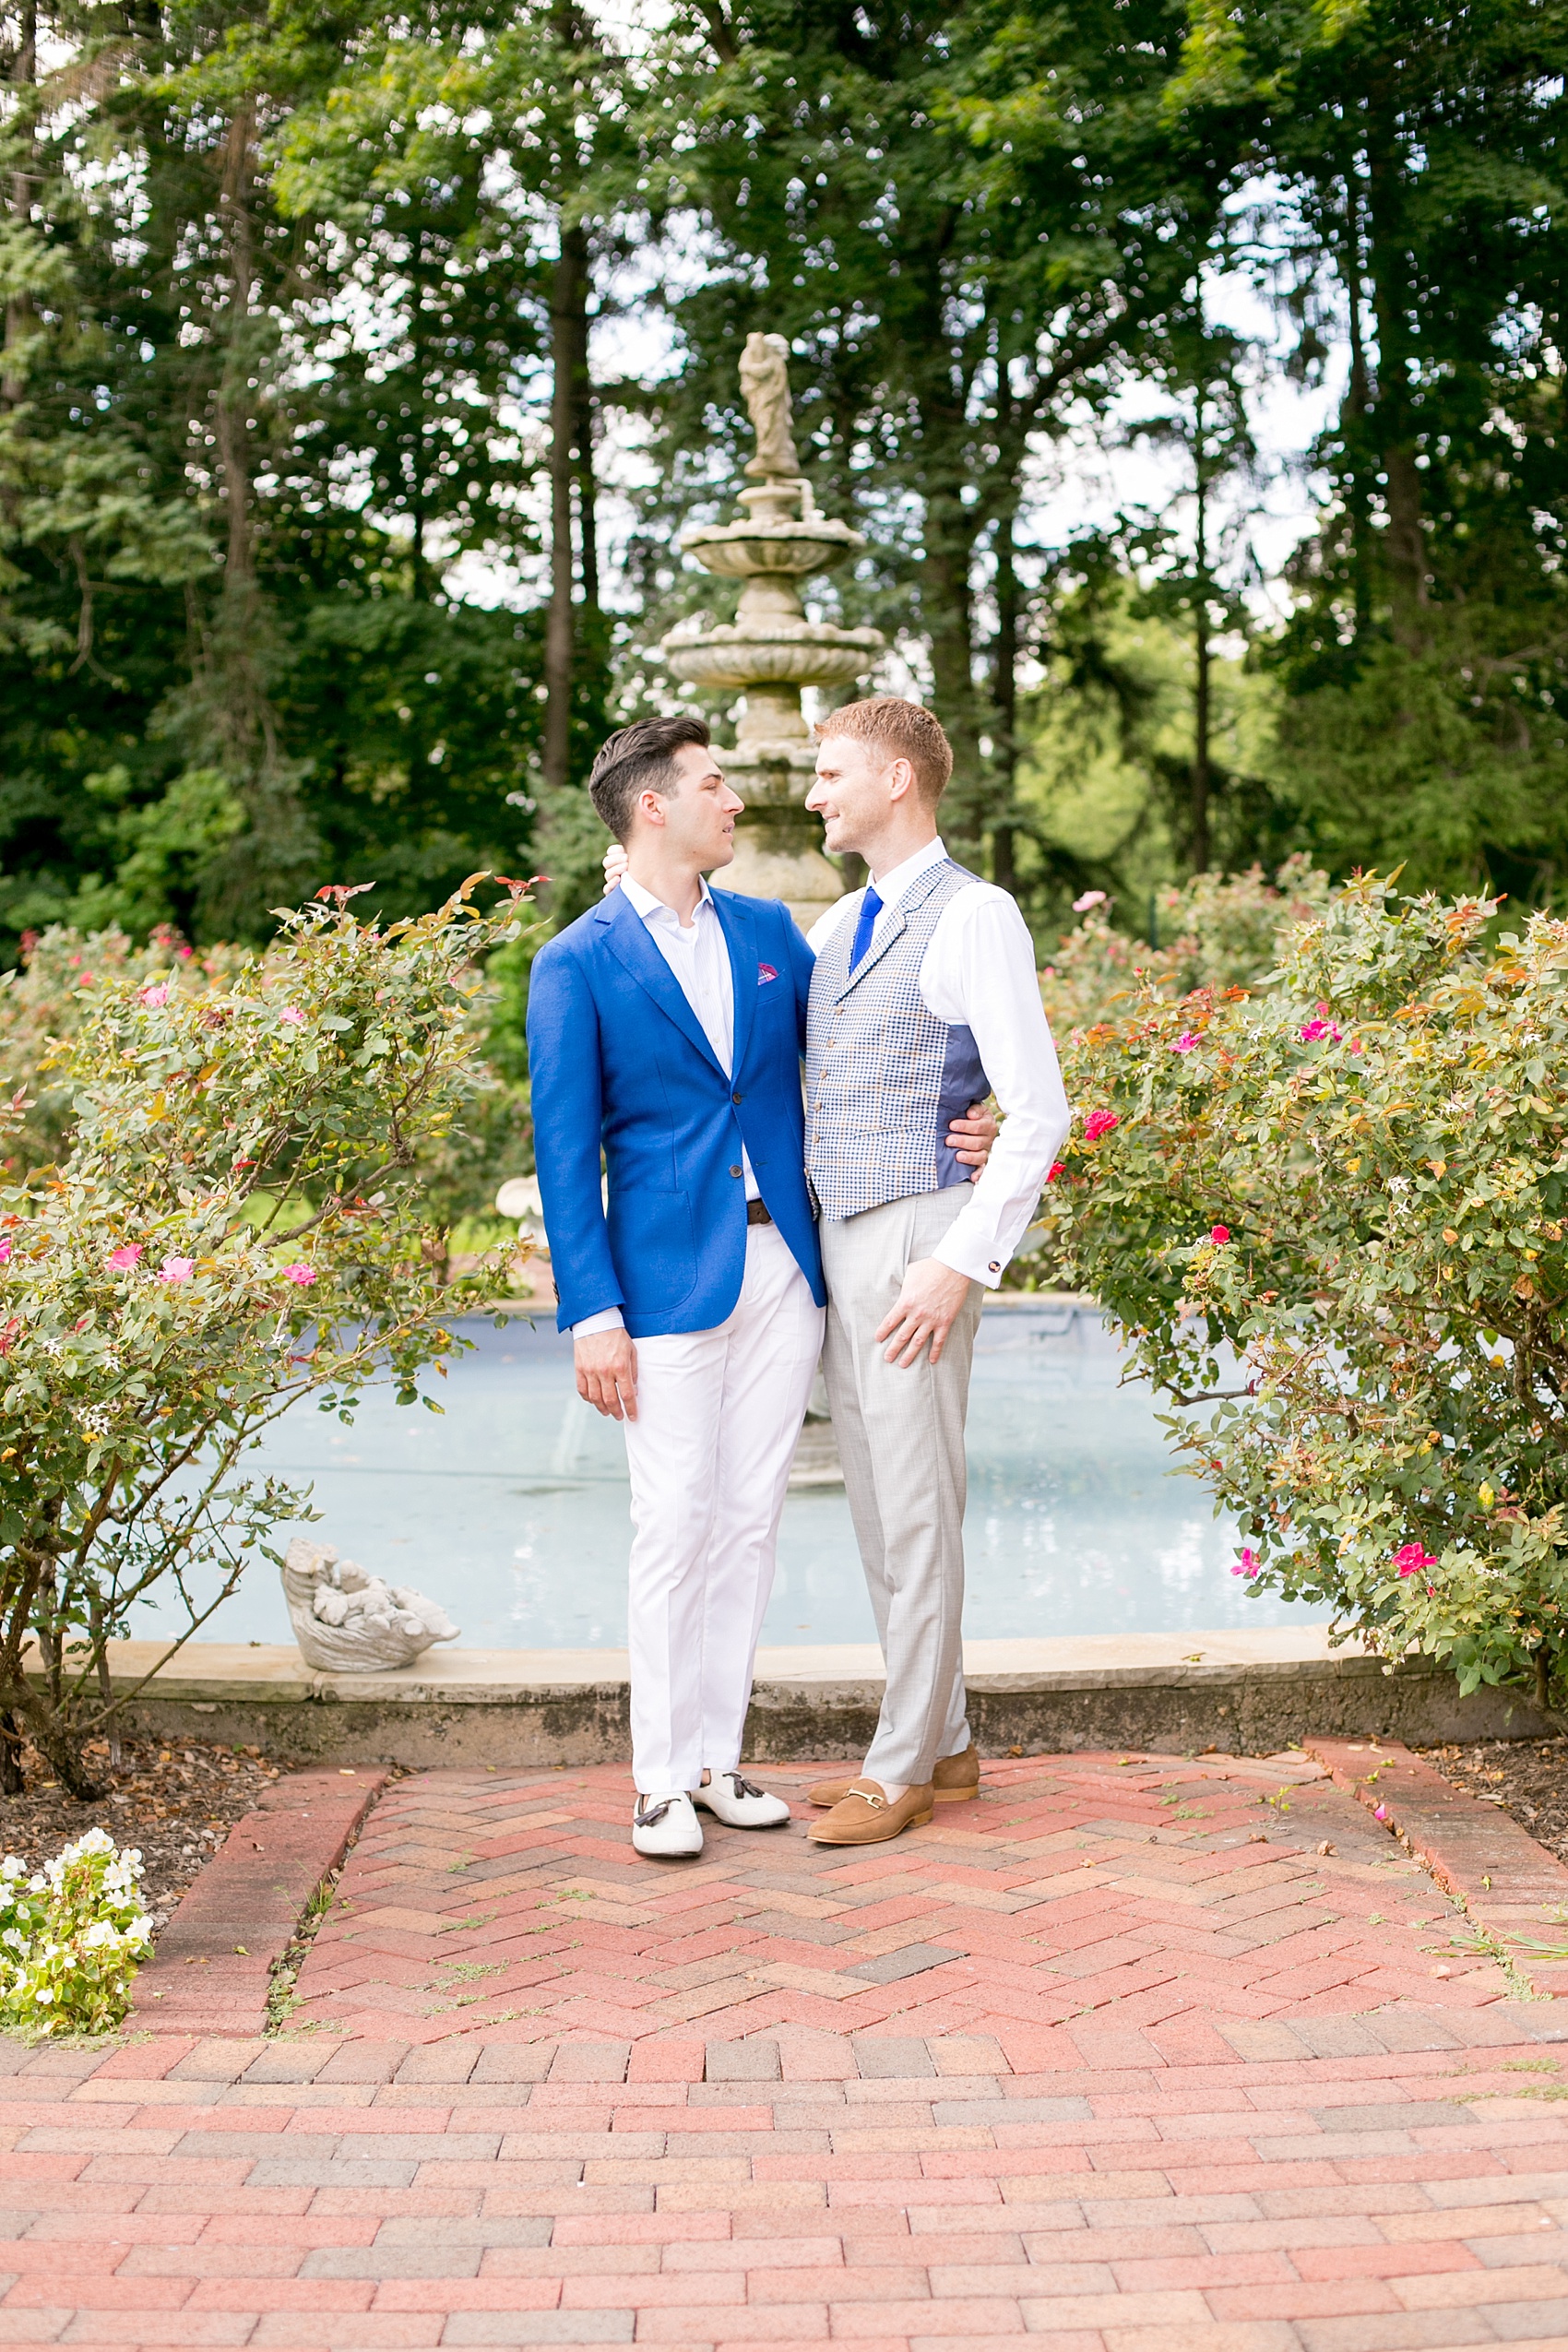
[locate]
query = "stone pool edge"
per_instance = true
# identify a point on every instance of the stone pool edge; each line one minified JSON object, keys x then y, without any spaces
{"x":1256,"y":1692}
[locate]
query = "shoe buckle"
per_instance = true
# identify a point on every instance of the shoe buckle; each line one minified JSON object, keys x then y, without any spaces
{"x":877,"y":1804}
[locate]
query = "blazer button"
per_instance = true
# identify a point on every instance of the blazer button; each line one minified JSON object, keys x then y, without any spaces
{"x":734,"y":1171}
{"x":734,"y":1098}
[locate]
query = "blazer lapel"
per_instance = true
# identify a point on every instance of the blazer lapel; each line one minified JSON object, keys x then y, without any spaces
{"x":626,"y":935}
{"x":739,"y":926}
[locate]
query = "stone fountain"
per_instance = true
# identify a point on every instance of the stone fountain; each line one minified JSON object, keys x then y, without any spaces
{"x":771,"y":650}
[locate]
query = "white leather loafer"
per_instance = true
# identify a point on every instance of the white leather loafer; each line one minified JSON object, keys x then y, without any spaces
{"x":734,"y":1801}
{"x":665,"y":1828}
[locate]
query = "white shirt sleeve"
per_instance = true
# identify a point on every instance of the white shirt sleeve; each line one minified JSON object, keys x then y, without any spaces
{"x":607,"y":1319}
{"x":980,"y":969}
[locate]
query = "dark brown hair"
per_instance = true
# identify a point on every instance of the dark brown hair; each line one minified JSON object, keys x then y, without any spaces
{"x":639,"y":758}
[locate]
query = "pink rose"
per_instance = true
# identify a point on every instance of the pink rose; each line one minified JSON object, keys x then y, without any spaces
{"x":1410,"y":1558}
{"x":1312,"y":1030}
{"x":5,"y":1250}
{"x":157,"y":995}
{"x":125,"y":1256}
{"x":1097,"y":1123}
{"x":292,"y":1017}
{"x":300,"y":1274}
{"x":1187,"y":1042}
{"x":176,"y":1269}
{"x":1058,"y":1167}
{"x":1090,"y":898}
{"x":1249,"y":1563}
{"x":1220,"y":1233}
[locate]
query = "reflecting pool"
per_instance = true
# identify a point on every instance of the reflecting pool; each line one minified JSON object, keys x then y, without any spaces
{"x":511,"y":1507}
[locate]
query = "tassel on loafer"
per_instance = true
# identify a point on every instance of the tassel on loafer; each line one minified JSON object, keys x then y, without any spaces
{"x":739,"y":1803}
{"x":666,"y":1828}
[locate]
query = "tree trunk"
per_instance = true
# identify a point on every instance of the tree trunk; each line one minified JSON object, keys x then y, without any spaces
{"x":1202,"y":664}
{"x":569,"y":345}
{"x":1353,"y":417}
{"x":19,"y":308}
{"x":12,"y":1781}
{"x":234,"y":392}
{"x":582,"y":441}
{"x":1404,"y":541}
{"x":1004,"y":696}
{"x":947,"y":602}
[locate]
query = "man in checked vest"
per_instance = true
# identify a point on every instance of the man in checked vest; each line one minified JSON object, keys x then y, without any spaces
{"x":924,"y":998}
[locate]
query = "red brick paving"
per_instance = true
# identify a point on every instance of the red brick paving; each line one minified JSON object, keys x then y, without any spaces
{"x":1512,"y":1889}
{"x":1130,"y":2082}
{"x":1131,"y":1893}
{"x":213,"y":1970}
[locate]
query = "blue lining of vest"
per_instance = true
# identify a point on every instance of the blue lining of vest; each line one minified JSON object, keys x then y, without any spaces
{"x":962,"y":1081}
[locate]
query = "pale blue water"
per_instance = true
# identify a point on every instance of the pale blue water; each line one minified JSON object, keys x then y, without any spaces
{"x":511,"y":1508}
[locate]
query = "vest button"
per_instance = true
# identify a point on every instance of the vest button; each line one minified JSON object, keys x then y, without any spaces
{"x":734,"y":1171}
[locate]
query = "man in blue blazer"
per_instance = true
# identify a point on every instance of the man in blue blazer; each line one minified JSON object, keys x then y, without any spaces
{"x":665,"y":1030}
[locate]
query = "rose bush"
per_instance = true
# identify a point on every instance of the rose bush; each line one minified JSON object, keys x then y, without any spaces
{"x":1330,"y":1213}
{"x":1217,"y":930}
{"x":236,"y":1221}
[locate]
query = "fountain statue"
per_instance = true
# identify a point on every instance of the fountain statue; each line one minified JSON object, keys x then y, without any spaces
{"x":771,"y":650}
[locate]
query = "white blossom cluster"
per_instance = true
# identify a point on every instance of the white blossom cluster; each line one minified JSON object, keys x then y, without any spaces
{"x":72,"y":1936}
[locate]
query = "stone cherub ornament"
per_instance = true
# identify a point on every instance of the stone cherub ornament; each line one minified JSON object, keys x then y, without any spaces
{"x":347,"y":1622}
{"x":764,"y":380}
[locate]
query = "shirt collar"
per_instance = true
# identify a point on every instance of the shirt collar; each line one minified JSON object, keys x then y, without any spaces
{"x":891,"y":886}
{"x":654,"y":910}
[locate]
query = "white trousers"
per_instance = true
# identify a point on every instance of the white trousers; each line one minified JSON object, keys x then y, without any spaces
{"x":718,"y":1413}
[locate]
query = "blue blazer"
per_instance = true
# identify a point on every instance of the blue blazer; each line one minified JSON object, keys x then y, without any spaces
{"x":620,"y":1063}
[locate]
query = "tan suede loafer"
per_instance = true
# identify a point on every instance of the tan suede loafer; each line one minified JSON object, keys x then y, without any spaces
{"x":864,"y":1817}
{"x":954,"y":1781}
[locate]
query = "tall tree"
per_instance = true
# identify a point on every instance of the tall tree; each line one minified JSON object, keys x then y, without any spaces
{"x":1421,"y":153}
{"x":966,"y":227}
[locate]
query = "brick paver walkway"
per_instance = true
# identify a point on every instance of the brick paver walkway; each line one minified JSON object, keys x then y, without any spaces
{"x":1128,"y":1892}
{"x":1080,"y":2062}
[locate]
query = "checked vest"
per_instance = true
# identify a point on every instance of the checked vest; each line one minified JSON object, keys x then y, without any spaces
{"x":884,"y":1075}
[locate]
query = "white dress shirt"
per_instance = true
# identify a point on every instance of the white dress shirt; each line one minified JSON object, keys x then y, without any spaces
{"x":979,"y":970}
{"x":699,"y":956}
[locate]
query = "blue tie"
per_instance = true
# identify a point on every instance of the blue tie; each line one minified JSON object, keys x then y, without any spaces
{"x":865,"y":923}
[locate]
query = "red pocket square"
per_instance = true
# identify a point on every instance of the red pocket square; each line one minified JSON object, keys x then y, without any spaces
{"x":764,"y":972}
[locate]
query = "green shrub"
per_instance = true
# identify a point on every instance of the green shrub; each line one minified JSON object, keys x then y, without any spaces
{"x":72,"y":1936}
{"x":152,"y":1325}
{"x":1331,"y":1216}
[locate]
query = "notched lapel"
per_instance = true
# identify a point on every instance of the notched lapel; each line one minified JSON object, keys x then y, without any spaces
{"x":628,"y":940}
{"x":739,"y":926}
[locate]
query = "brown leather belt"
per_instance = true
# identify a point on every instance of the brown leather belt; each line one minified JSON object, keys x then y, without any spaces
{"x":757,"y":1214}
